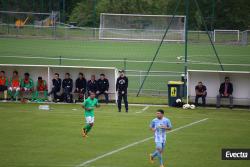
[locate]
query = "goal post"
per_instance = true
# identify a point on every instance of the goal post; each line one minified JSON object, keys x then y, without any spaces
{"x":21,"y":19}
{"x":141,"y":27}
{"x":224,"y":36}
{"x":28,"y":24}
{"x":245,"y":36}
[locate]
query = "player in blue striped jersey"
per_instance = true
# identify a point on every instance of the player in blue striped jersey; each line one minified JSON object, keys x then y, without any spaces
{"x":160,"y":125}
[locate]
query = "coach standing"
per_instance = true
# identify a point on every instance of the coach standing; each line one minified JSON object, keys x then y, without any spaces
{"x":121,"y":88}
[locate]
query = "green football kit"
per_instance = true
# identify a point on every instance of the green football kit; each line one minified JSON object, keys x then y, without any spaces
{"x":89,"y":114}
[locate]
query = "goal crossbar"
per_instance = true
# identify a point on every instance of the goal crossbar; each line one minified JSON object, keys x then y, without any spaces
{"x":31,"y":13}
{"x":116,"y":14}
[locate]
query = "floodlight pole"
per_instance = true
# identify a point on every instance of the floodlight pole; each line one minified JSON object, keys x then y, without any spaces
{"x":209,"y":37}
{"x":158,"y":49}
{"x":186,"y":38}
{"x":213,"y":15}
{"x":186,"y":47}
{"x":63,"y":11}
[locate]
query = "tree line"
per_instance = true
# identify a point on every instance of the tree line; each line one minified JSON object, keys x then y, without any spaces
{"x":218,"y":14}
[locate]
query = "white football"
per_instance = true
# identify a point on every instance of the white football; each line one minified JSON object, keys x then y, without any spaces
{"x":186,"y":106}
{"x":178,"y":100}
{"x":192,"y":106}
{"x":179,"y":57}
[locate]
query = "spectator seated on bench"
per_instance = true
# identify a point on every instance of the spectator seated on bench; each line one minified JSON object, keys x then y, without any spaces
{"x":103,"y":87}
{"x":27,"y":87}
{"x":56,"y":88}
{"x":80,"y":85}
{"x":67,"y":86}
{"x":41,"y":88}
{"x":226,"y":91}
{"x":3,"y":84}
{"x":14,"y":86}
{"x":92,"y":85}
{"x":200,"y":92}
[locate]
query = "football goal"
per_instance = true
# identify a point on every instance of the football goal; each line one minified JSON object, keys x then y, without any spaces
{"x":141,"y":27}
{"x":22,"y":19}
{"x":30,"y":24}
{"x":226,"y":36}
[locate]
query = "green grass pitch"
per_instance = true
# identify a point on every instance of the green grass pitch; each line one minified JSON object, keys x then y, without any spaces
{"x":31,"y":137}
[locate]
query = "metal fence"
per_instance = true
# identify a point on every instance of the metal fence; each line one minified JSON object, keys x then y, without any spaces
{"x":49,"y":32}
{"x":63,"y":31}
{"x":156,"y":83}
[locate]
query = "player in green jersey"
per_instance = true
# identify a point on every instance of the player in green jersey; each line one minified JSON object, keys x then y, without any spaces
{"x":89,"y":104}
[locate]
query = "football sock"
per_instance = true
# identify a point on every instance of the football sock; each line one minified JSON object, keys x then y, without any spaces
{"x":88,"y":128}
{"x":155,"y":154}
{"x":5,"y":94}
{"x":16,"y":94}
{"x":160,"y":158}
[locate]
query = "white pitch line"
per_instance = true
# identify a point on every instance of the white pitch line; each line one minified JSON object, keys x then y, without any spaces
{"x":144,"y":109}
{"x":136,"y":143}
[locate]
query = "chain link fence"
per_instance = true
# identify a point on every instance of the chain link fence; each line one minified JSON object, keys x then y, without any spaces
{"x":67,"y":32}
{"x":156,"y":82}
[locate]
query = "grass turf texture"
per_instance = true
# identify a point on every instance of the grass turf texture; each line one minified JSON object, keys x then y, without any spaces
{"x":30,"y":137}
{"x":120,"y":50}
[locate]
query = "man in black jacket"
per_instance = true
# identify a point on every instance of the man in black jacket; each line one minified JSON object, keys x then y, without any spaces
{"x":226,"y":91}
{"x":80,"y":86}
{"x":121,"y":88}
{"x":67,"y":86}
{"x":56,"y":87}
{"x":103,"y":87}
{"x":92,"y":85}
{"x":200,"y":92}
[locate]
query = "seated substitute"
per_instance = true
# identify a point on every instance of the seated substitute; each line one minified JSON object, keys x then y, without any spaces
{"x":14,"y":86}
{"x":103,"y":87}
{"x":226,"y":91}
{"x":27,"y":85}
{"x":41,"y":87}
{"x":67,"y":86}
{"x":92,"y":85}
{"x":201,"y":92}
{"x":80,"y":84}
{"x":56,"y":87}
{"x":4,"y":84}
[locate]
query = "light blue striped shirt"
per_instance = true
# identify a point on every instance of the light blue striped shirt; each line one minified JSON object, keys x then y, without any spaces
{"x":160,"y":133}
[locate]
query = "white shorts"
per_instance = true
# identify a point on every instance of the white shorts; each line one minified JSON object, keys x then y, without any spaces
{"x":90,"y":119}
{"x":14,"y":88}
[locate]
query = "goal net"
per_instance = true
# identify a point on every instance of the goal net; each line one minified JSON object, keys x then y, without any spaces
{"x":22,"y":19}
{"x":245,"y":37}
{"x":226,"y":36}
{"x":141,"y":27}
{"x":30,"y":24}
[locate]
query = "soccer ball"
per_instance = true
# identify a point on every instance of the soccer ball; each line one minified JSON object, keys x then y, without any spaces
{"x":186,"y":106}
{"x":192,"y":106}
{"x":179,"y":57}
{"x":178,"y":100}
